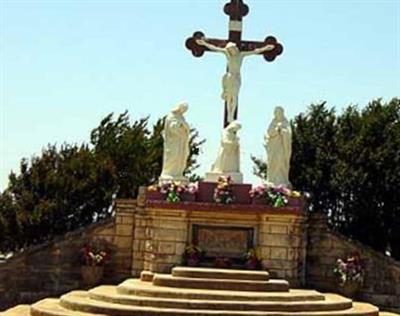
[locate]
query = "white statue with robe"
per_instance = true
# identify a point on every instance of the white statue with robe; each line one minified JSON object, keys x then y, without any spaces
{"x":176,"y":145}
{"x":231,"y":81}
{"x":278,"y":143}
{"x":228,"y":160}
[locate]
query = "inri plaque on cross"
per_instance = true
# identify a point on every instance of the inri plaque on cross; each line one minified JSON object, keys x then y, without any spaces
{"x":234,"y":49}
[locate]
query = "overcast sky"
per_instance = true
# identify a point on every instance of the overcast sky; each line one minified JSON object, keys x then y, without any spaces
{"x":67,"y":64}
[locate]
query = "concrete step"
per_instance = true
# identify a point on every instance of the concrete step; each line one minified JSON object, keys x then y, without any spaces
{"x":19,"y":310}
{"x":227,"y":274}
{"x":52,"y":307}
{"x":146,"y":276}
{"x":140,"y":288}
{"x":109,"y":294}
{"x":220,"y":284}
{"x":79,"y":301}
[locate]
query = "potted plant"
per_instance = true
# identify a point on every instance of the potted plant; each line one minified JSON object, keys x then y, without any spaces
{"x":251,"y":260}
{"x":259,"y":195}
{"x":223,"y":193}
{"x":93,"y":260}
{"x":192,"y":255}
{"x":350,"y":275}
{"x":175,"y":191}
{"x":278,"y":196}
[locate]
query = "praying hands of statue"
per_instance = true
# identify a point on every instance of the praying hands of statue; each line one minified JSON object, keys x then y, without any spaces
{"x":279,"y":127}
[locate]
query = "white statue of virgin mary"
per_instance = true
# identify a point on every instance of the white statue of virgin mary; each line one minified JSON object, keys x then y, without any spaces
{"x":176,"y":144}
{"x":278,"y":143}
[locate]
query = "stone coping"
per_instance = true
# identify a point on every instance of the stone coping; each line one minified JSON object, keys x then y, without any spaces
{"x":81,"y":231}
{"x":213,"y":207}
{"x":350,"y":242}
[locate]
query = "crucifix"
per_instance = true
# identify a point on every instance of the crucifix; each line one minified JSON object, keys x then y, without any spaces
{"x":235,"y":50}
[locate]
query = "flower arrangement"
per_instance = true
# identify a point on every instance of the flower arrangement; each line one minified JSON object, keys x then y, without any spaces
{"x":173,"y":190}
{"x":93,"y":256}
{"x":350,"y":269}
{"x":251,"y":259}
{"x":275,"y":196}
{"x":223,"y":192}
{"x":192,"y":255}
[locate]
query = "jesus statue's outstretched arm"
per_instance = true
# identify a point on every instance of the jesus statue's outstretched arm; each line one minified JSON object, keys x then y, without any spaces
{"x":260,"y":50}
{"x":211,"y":46}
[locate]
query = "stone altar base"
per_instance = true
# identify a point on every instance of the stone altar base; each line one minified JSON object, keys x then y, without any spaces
{"x":200,"y":292}
{"x":240,"y":191}
{"x":162,"y":231}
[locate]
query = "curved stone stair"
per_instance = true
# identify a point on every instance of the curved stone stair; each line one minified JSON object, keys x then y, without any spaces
{"x":198,"y":292}
{"x":111,"y":295}
{"x":221,"y":284}
{"x":230,"y":274}
{"x":139,"y":288}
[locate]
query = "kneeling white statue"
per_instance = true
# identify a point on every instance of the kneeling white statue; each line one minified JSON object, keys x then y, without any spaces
{"x":228,"y":160}
{"x":278,"y":143}
{"x":176,"y":145}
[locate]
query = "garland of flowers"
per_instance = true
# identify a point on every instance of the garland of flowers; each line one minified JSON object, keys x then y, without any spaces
{"x":274,"y":196}
{"x":348,"y":269}
{"x":192,"y":255}
{"x":93,"y":256}
{"x":223,"y":193}
{"x":174,"y":189}
{"x":252,"y":260}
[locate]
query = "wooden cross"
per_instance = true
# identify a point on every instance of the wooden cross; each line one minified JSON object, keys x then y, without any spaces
{"x":236,"y":10}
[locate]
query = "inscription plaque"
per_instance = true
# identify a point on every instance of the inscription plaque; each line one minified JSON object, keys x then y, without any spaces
{"x":223,"y":241}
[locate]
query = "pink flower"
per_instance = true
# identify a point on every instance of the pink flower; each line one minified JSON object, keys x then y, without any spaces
{"x":192,"y":188}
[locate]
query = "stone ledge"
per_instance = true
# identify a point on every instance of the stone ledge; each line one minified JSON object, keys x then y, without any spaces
{"x":213,"y":207}
{"x":80,"y":232}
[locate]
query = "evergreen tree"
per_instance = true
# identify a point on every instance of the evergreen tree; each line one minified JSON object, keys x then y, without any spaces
{"x":67,"y":188}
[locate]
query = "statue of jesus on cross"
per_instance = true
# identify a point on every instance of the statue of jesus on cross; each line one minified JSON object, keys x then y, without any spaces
{"x":231,"y":81}
{"x":235,"y":49}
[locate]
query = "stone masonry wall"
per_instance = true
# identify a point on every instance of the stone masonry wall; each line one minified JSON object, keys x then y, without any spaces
{"x":161,"y":235}
{"x":51,"y":269}
{"x":160,"y":241}
{"x":382,"y":277}
{"x":142,"y":238}
{"x":283,"y":241}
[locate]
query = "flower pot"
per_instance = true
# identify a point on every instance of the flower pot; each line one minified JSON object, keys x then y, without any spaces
{"x":92,"y":275}
{"x":192,"y":262}
{"x":349,"y":289}
{"x":252,"y":264}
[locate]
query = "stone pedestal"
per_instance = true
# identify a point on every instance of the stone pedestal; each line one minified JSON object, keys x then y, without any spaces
{"x":164,"y":179}
{"x":162,"y":230}
{"x":237,"y":177}
{"x":240,"y":192}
